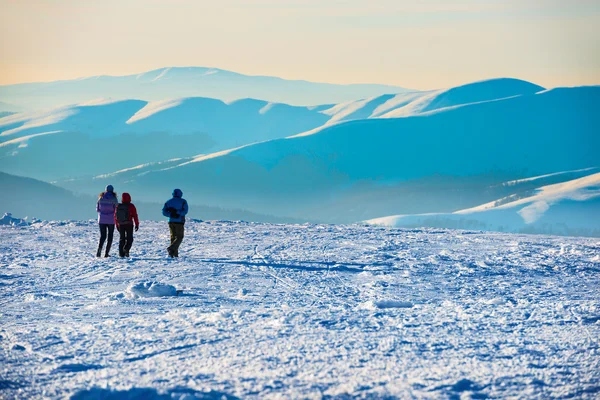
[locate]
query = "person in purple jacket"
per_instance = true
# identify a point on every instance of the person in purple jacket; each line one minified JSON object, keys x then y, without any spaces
{"x":106,"y":205}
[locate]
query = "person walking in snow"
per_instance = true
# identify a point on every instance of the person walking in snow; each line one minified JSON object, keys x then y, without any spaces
{"x":125,"y":216}
{"x":106,"y":205}
{"x":176,"y":209}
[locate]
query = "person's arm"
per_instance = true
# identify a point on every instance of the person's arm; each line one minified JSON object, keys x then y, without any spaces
{"x":165,"y":210}
{"x":115,"y":217}
{"x":133,"y":212}
{"x":184,"y":211}
{"x":98,"y":206}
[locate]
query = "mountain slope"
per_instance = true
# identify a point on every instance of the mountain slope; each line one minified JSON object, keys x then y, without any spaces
{"x":10,"y":108}
{"x":30,"y":197}
{"x":36,"y":199}
{"x":102,"y":137}
{"x":175,"y":82}
{"x":567,"y":208}
{"x":440,"y":161}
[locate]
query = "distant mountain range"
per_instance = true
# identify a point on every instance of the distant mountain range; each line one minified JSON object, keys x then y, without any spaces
{"x":177,"y":82}
{"x":406,"y":154}
{"x":443,"y":161}
{"x":152,"y":132}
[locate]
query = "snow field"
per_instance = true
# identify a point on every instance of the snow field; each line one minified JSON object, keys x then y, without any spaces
{"x":298,"y":311}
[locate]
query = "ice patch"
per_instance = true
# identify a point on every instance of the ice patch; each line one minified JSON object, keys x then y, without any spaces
{"x":78,"y":367}
{"x":393,"y":304}
{"x":383,"y":304}
{"x":150,"y":289}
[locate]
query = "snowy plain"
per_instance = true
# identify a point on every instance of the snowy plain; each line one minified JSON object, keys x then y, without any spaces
{"x":265,"y":311}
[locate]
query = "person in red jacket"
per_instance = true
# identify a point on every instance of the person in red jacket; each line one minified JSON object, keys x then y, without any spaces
{"x":125,"y":216}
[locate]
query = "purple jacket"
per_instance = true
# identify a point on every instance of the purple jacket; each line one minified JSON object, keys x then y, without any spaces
{"x":106,"y":208}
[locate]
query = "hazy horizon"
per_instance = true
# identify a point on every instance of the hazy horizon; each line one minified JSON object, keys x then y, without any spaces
{"x":429,"y":45}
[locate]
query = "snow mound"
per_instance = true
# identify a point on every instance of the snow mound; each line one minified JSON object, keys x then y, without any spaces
{"x":150,"y":289}
{"x":8,"y":219}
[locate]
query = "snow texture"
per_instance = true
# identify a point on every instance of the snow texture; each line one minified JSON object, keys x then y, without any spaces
{"x":298,"y":311}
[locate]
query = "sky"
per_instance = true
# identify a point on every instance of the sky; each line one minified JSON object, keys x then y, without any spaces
{"x":423,"y":44}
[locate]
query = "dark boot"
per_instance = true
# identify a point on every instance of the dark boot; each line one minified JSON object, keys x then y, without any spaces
{"x":99,"y":252}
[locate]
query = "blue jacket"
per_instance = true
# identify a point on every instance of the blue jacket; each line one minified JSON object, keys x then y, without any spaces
{"x":176,"y":206}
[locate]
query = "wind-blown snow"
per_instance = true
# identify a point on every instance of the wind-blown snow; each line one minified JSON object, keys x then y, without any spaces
{"x":536,"y":178}
{"x":578,"y":189}
{"x":153,"y":108}
{"x":305,"y":311}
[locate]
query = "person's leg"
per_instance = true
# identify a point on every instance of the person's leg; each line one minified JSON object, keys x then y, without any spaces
{"x":129,"y":240}
{"x":173,"y":238}
{"x":103,"y":229}
{"x":111,"y":231}
{"x":122,"y":239}
{"x":178,"y":240}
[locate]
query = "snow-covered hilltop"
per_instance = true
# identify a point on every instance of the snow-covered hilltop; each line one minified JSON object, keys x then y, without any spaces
{"x":258,"y":311}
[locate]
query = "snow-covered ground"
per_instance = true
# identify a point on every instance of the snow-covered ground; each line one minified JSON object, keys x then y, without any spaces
{"x":298,"y":311}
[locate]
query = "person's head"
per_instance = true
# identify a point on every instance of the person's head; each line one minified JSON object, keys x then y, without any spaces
{"x":109,"y":188}
{"x":177,"y":193}
{"x":125,"y":198}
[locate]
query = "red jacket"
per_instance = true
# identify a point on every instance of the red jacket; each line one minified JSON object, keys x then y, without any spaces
{"x":133,"y":216}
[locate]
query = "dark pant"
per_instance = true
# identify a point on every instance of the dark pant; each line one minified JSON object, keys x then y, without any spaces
{"x":105,"y":230}
{"x":125,"y":240}
{"x":176,"y":230}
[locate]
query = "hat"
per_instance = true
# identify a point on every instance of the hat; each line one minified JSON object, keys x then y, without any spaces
{"x":109,"y":188}
{"x":177,"y":193}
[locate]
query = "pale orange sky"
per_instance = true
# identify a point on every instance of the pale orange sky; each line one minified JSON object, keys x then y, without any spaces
{"x":430,"y":44}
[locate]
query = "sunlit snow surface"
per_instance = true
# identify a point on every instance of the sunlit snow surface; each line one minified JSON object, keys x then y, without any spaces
{"x":305,"y":311}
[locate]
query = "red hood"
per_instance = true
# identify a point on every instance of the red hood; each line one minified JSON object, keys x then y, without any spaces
{"x":126,"y":198}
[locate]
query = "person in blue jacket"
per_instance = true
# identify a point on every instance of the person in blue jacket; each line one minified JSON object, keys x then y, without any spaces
{"x":176,"y":209}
